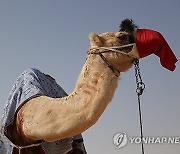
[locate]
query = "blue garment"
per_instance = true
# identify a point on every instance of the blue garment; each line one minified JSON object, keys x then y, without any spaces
{"x":30,"y":84}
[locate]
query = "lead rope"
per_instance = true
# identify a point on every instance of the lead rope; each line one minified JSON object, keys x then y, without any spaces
{"x":140,"y":86}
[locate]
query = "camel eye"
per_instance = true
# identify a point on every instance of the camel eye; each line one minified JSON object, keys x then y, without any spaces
{"x":122,"y":37}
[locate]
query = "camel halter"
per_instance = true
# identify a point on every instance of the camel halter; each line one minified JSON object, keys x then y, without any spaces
{"x":140,"y":86}
{"x":117,"y":49}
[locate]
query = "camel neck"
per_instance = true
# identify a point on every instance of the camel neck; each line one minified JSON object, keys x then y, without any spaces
{"x":96,"y":85}
{"x":95,"y":73}
{"x":77,"y":112}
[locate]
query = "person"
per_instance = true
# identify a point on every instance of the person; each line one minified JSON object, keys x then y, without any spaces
{"x":30,"y":84}
{"x":149,"y":41}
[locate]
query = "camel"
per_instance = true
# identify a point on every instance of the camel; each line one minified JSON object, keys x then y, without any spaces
{"x":52,"y":122}
{"x":83,"y":107}
{"x":43,"y":118}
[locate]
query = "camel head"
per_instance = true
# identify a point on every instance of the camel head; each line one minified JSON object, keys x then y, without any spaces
{"x":115,"y":39}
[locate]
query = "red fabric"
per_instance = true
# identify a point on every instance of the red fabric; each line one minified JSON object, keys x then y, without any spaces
{"x":150,"y":41}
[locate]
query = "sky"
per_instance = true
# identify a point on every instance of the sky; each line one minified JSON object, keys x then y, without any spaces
{"x":52,"y":36}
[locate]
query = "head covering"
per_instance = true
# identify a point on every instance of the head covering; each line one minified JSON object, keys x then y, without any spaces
{"x":150,"y":41}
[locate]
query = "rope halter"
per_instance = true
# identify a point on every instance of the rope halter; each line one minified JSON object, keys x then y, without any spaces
{"x":128,"y":50}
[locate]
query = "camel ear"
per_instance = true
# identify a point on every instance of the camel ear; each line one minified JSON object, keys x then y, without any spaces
{"x":95,"y":40}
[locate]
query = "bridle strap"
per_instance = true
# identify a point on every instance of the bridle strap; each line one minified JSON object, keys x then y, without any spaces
{"x":101,"y":50}
{"x":113,"y":49}
{"x":114,"y":69}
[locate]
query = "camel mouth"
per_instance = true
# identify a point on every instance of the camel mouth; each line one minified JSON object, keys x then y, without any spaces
{"x":134,"y":52}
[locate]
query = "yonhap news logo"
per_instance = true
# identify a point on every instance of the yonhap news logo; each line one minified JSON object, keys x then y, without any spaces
{"x":121,"y":139}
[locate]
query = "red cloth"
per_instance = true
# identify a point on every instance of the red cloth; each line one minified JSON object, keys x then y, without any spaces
{"x":150,"y":41}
